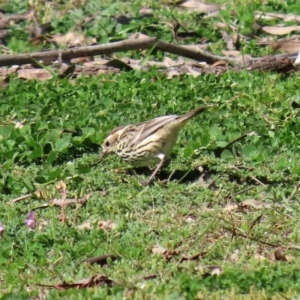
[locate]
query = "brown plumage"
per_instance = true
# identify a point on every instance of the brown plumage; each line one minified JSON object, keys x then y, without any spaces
{"x":148,"y":143}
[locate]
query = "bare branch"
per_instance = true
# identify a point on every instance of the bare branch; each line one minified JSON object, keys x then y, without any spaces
{"x":52,"y":55}
{"x":47,"y":57}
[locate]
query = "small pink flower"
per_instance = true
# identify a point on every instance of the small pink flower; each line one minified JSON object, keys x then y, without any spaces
{"x":31,"y":221}
{"x":1,"y":230}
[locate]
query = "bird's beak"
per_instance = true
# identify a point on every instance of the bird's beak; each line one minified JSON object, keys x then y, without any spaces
{"x":103,"y":154}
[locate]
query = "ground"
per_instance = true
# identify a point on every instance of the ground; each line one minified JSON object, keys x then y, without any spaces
{"x":218,"y":223}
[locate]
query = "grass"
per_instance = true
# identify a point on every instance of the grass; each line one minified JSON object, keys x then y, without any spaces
{"x":52,"y":131}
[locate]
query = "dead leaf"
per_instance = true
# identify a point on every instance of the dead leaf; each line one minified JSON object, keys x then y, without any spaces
{"x":192,"y":71}
{"x":71,"y":39}
{"x":162,"y":251}
{"x":244,"y":60}
{"x":129,"y":293}
{"x":3,"y":35}
{"x":104,"y":193}
{"x":66,"y":70}
{"x":146,"y":12}
{"x":279,"y":254}
{"x":198,"y":6}
{"x":290,"y":257}
{"x":297,"y":61}
{"x":101,"y":260}
{"x":158,"y":249}
{"x":190,"y":218}
{"x":120,"y":64}
{"x":95,"y":281}
{"x":234,"y":257}
{"x":37,"y":30}
{"x":287,"y":46}
{"x":212,"y":271}
{"x":192,"y":258}
{"x":173,"y":73}
{"x":276,"y":30}
{"x":107,"y":225}
{"x":138,"y":36}
{"x":230,"y":207}
{"x":172,"y":63}
{"x":4,"y":81}
{"x":247,"y":204}
{"x":197,"y":47}
{"x":150,"y":276}
{"x":271,"y":16}
{"x":259,"y":257}
{"x":256,"y":204}
{"x":3,"y":23}
{"x":38,"y":74}
{"x":86,"y":225}
{"x":232,"y":53}
{"x":42,"y":224}
{"x":228,"y":40}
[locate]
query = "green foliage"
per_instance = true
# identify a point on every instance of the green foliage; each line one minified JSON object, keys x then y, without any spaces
{"x":53,"y":130}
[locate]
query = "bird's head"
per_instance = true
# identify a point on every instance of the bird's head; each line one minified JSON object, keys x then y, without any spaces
{"x":110,"y":143}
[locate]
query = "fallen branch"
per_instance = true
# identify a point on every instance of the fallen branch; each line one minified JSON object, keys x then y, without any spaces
{"x":192,"y":52}
{"x":47,"y":57}
{"x":280,"y":63}
{"x":53,"y":55}
{"x":64,"y":202}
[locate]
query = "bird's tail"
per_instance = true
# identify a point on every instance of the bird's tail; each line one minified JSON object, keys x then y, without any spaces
{"x":194,"y":112}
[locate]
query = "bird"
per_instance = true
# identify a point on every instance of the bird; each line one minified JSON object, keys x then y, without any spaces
{"x":148,"y":143}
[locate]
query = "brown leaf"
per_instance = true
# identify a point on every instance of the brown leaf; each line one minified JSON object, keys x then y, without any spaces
{"x":66,"y":70}
{"x":107,"y":225}
{"x":233,"y":53}
{"x":120,"y":64}
{"x":38,"y":74}
{"x":95,"y":281}
{"x":150,"y":276}
{"x":192,"y":258}
{"x":192,"y":71}
{"x":198,"y":6}
{"x":246,"y":204}
{"x":86,"y":225}
{"x":3,"y":23}
{"x":3,"y":34}
{"x":162,"y":251}
{"x":286,"y":46}
{"x":271,"y":16}
{"x":37,"y":30}
{"x":279,"y":254}
{"x":256,"y":204}
{"x":138,"y":36}
{"x":101,"y":260}
{"x":212,"y":271}
{"x":4,"y":81}
{"x":190,"y":218}
{"x":259,"y":257}
{"x":156,"y":249}
{"x":228,"y":40}
{"x":230,"y":207}
{"x":104,"y":193}
{"x":129,"y":293}
{"x":173,"y":73}
{"x":276,"y":30}
{"x":234,"y":257}
{"x":66,"y":202}
{"x":146,"y":12}
{"x":71,"y":39}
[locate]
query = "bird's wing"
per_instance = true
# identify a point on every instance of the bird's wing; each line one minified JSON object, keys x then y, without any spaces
{"x":149,"y":127}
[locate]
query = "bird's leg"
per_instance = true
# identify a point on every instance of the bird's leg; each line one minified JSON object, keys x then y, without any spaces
{"x":163,"y":160}
{"x":167,"y":162}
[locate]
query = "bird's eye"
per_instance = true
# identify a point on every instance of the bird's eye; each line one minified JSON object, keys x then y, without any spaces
{"x":107,"y":144}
